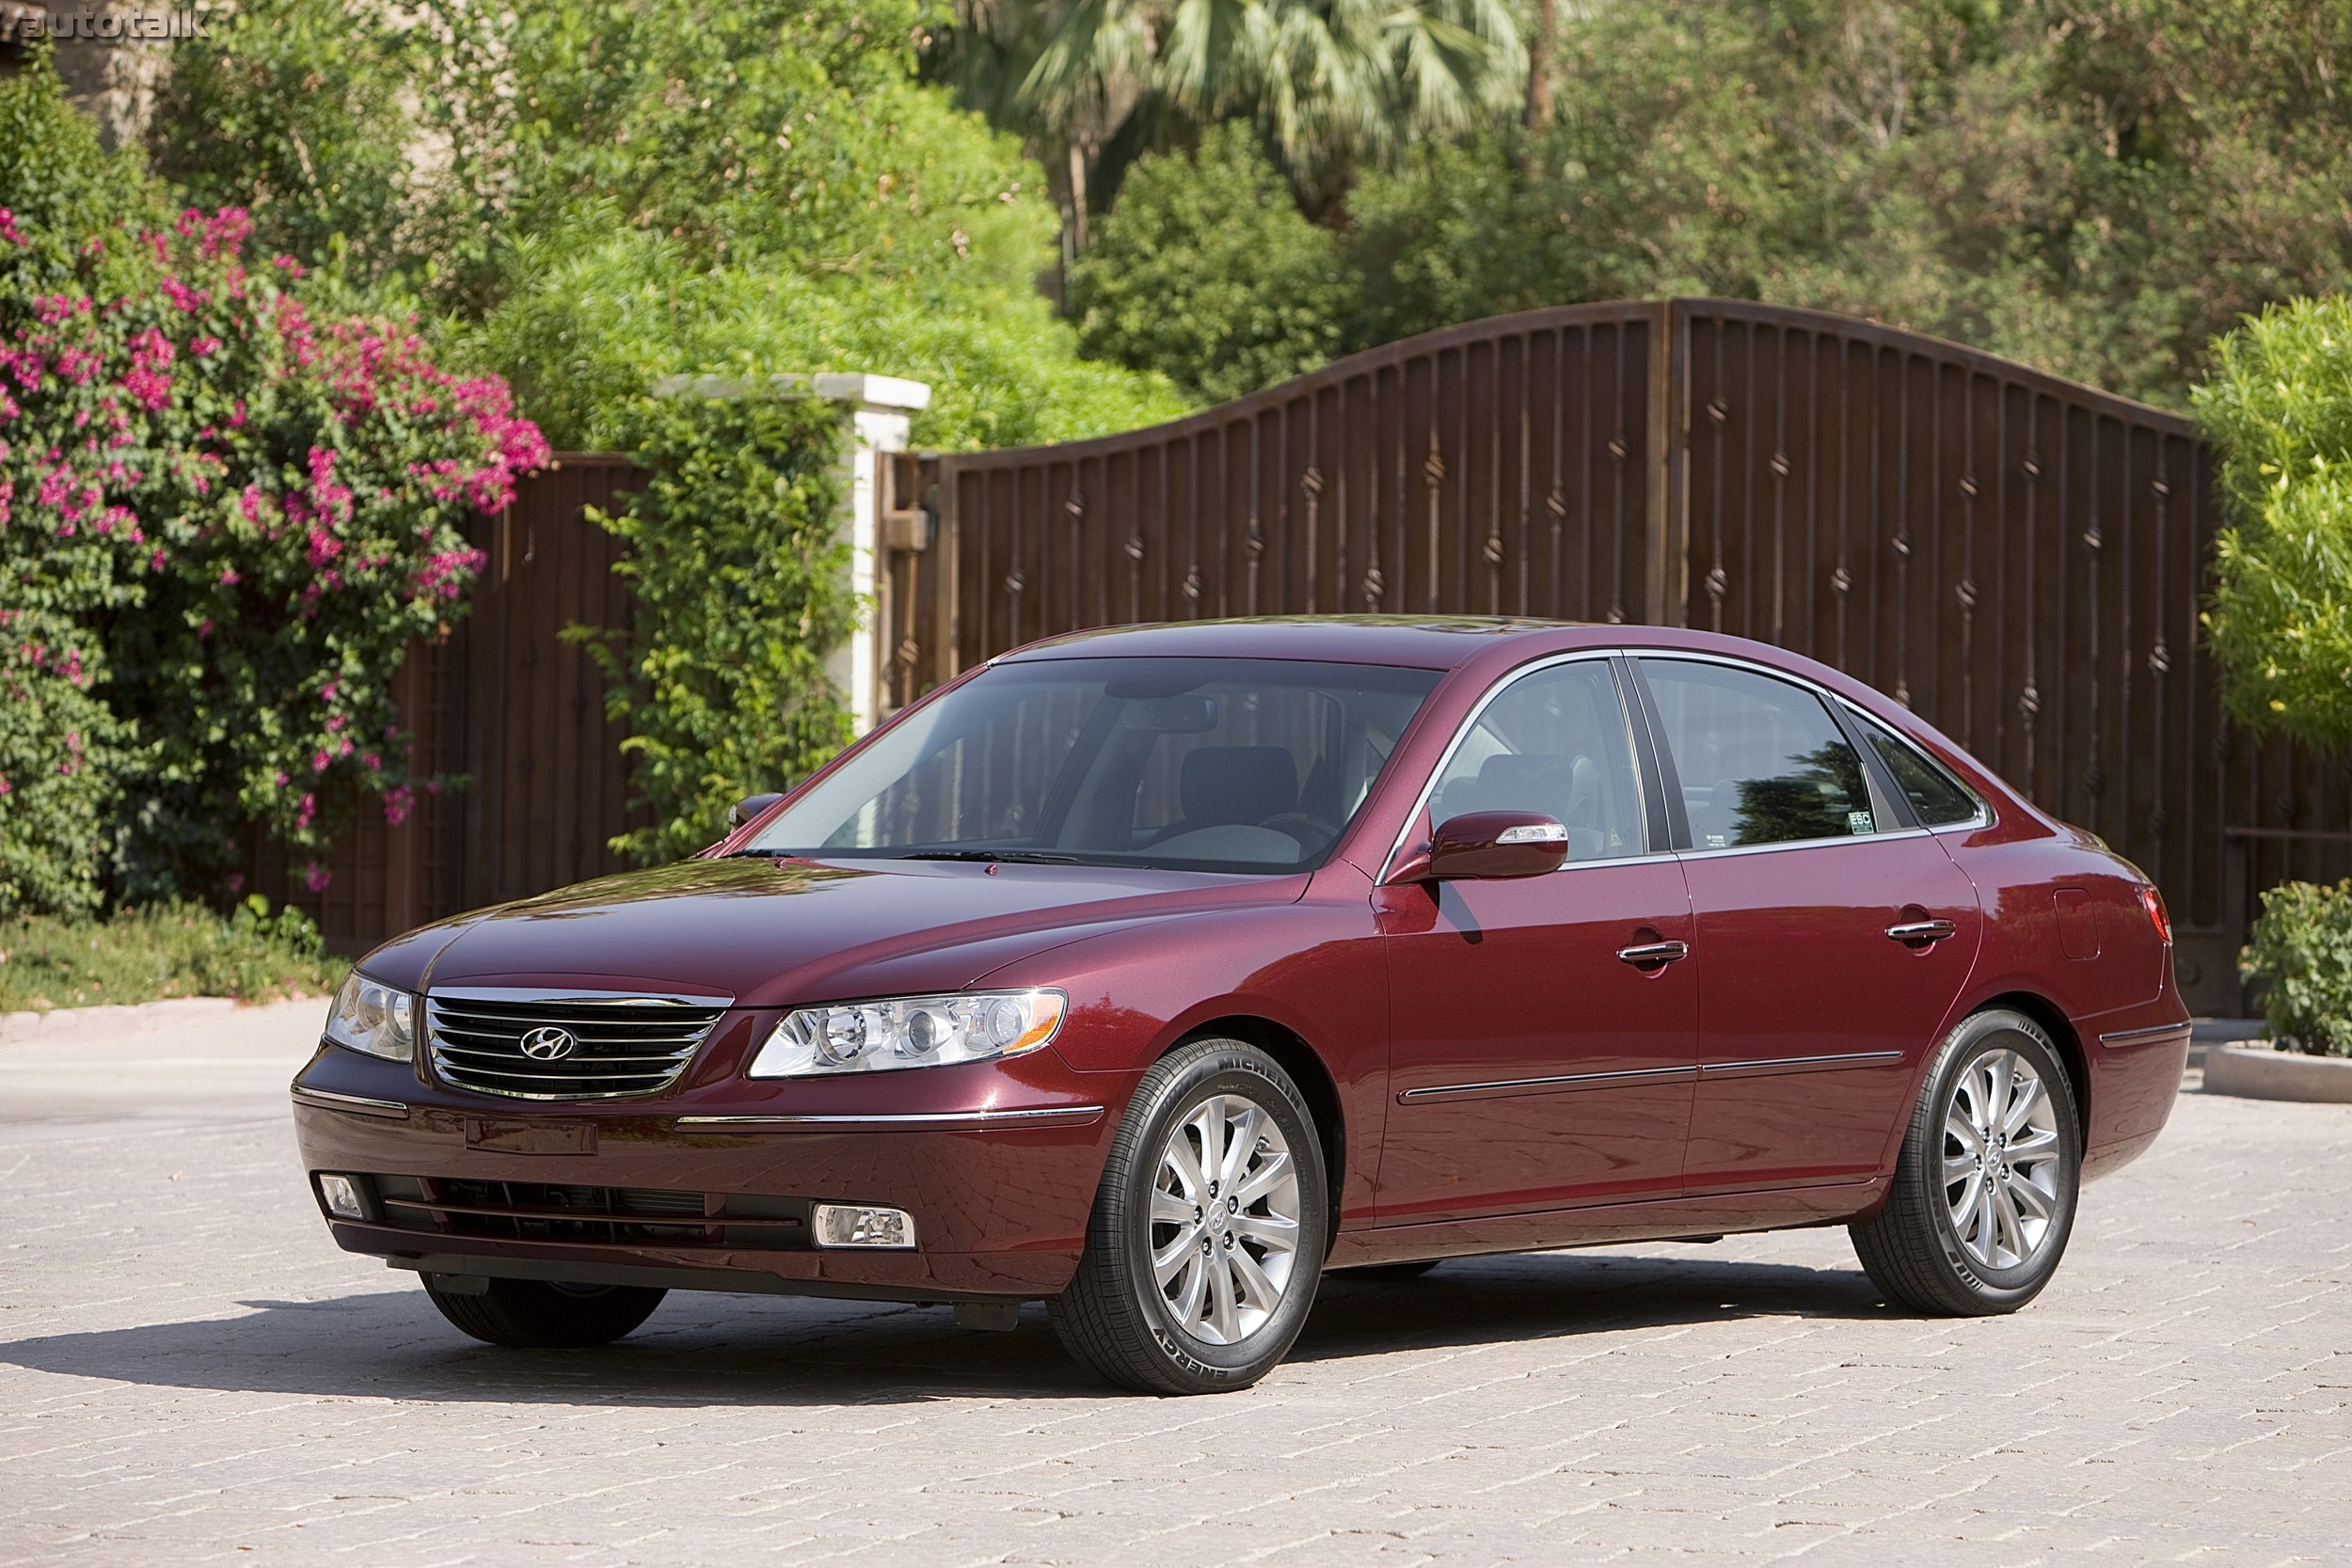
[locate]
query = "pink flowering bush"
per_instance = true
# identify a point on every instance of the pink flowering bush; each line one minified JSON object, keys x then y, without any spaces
{"x":224,"y":516}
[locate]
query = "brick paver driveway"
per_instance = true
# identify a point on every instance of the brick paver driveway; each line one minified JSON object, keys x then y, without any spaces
{"x":190,"y":1372}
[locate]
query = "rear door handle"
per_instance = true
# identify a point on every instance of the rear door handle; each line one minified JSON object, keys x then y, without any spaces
{"x":1921,"y":933}
{"x":1654,"y":955}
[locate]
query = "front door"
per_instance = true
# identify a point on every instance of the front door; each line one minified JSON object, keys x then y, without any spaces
{"x":1835,"y":939}
{"x":1544,"y":1035}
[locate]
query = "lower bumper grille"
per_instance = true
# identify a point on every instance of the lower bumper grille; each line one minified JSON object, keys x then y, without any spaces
{"x":625,"y":1216}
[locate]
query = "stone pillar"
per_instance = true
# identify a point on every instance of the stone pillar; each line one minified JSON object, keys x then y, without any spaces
{"x":880,"y":410}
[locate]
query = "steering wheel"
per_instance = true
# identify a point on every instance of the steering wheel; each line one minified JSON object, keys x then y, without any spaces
{"x":1319,"y":832}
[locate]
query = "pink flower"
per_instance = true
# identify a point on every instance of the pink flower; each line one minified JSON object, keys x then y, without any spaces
{"x":188,"y":300}
{"x":319,"y":761}
{"x":315,"y":877}
{"x":398,"y":801}
{"x":150,"y":356}
{"x":9,"y":230}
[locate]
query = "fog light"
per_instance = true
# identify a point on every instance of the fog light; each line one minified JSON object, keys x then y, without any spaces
{"x":848,"y":1225}
{"x":342,"y":1197}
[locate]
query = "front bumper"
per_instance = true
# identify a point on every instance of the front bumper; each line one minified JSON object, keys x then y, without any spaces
{"x":997,"y":1162}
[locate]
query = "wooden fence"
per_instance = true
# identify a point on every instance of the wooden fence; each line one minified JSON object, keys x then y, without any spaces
{"x":2018,"y":558}
{"x":514,"y":713}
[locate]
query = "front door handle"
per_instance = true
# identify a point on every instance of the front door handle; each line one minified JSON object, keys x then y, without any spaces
{"x":1654,"y":955}
{"x":1921,"y":933}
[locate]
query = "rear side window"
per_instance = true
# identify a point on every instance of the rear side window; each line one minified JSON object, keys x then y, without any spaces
{"x":1936,"y":798}
{"x":1761,"y":761}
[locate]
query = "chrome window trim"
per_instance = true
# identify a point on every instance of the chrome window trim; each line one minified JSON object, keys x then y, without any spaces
{"x":1508,"y":679}
{"x":1800,"y":844}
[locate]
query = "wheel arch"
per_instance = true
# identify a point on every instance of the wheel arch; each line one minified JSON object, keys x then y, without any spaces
{"x":1315,"y":1082}
{"x":2069,"y":1046}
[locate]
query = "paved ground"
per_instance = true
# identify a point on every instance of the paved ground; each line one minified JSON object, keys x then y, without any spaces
{"x":190,"y":1372}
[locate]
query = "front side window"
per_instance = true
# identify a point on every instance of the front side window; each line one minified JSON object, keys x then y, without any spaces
{"x":1553,"y":741}
{"x":1938,"y":798}
{"x":1761,"y":761}
{"x":1193,"y":764}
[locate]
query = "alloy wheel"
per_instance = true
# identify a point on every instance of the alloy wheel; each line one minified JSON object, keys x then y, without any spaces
{"x":1224,"y":1220}
{"x":2003,"y":1160}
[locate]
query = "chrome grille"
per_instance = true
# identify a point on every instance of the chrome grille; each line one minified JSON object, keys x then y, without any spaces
{"x":620,"y":1044}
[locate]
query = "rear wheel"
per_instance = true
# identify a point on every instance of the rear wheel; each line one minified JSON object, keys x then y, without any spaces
{"x":1985,"y":1187}
{"x":539,"y":1314}
{"x":1209,"y":1229}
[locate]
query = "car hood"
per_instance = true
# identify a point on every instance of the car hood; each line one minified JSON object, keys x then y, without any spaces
{"x":771,"y":932}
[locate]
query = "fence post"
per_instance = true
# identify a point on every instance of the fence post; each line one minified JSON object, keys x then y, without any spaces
{"x":880,"y":410}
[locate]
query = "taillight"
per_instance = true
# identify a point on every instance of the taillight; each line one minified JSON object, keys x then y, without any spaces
{"x":2152,"y":901}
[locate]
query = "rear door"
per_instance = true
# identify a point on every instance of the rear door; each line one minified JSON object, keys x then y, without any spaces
{"x":1835,"y":935}
{"x":1535,"y":1065}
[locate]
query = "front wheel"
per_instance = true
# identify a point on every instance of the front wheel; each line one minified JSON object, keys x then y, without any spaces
{"x":539,"y":1314}
{"x":1985,"y":1186}
{"x":1209,"y":1228}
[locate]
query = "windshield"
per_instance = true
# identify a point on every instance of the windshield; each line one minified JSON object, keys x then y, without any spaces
{"x":1234,"y":764}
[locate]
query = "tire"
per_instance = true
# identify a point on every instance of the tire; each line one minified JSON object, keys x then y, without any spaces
{"x":1201,"y":1323}
{"x":537,"y":1314}
{"x":1980,"y":1215}
{"x":1392,"y":1274}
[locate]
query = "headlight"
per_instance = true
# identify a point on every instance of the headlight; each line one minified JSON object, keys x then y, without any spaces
{"x":371,"y":1016}
{"x":908,"y":1031}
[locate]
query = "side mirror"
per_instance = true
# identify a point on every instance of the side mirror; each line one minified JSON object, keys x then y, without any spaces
{"x":742,"y":812}
{"x":1489,"y":845}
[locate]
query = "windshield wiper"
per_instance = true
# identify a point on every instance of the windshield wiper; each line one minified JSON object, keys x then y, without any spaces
{"x":771,"y":854}
{"x":1015,"y":857}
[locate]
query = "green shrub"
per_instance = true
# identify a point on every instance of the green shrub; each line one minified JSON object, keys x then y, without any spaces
{"x":740,"y":582}
{"x":2279,"y":408}
{"x":224,"y":514}
{"x":148,"y":955}
{"x":1206,"y":273}
{"x":2303,"y":956}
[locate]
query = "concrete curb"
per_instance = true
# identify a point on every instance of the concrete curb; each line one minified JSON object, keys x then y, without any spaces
{"x":65,"y":1024}
{"x":2258,"y":1072}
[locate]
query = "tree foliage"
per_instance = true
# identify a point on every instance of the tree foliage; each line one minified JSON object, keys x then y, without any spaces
{"x":1332,"y":84}
{"x":2279,"y":409}
{"x":740,"y":579}
{"x":596,"y":193}
{"x":1207,"y":273}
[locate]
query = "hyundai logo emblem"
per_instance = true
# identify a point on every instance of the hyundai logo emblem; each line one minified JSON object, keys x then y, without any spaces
{"x":548,"y":1043}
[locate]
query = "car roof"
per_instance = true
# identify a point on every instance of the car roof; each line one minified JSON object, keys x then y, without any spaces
{"x":1421,"y":642}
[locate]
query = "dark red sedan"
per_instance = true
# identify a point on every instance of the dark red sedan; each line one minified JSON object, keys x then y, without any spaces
{"x":1156,"y":973}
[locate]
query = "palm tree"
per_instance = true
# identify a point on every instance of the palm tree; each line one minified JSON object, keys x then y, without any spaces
{"x":1331,"y":84}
